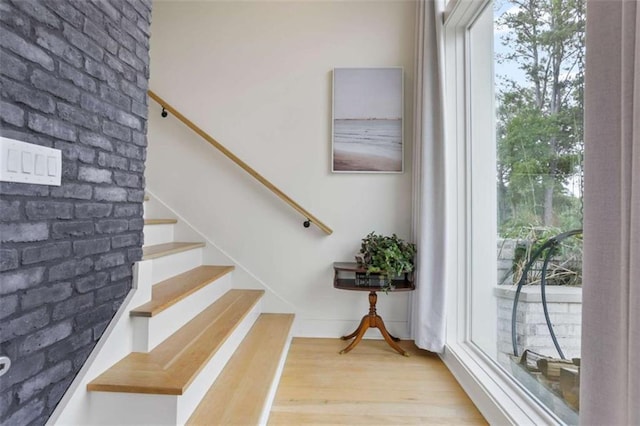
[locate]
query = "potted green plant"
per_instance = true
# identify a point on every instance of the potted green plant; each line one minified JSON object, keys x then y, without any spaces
{"x":385,"y":257}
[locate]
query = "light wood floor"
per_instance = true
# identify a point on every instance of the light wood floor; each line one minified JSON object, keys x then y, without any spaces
{"x":371,"y":385}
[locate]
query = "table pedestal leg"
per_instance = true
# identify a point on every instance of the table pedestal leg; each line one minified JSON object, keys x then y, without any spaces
{"x":389,"y":338}
{"x":372,"y":320}
{"x":359,"y":333}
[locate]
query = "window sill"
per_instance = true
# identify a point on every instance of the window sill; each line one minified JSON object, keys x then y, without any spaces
{"x":498,"y":397}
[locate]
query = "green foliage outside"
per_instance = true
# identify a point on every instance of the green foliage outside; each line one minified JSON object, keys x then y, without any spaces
{"x":540,"y":133}
{"x":565,"y":267}
{"x":540,"y":120}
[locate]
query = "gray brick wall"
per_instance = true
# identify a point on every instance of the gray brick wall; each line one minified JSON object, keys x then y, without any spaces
{"x":73,"y":76}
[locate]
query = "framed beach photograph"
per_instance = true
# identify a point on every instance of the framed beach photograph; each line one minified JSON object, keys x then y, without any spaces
{"x":367,"y":134}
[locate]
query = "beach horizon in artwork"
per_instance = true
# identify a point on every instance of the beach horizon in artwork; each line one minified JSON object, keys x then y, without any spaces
{"x":368,"y":145}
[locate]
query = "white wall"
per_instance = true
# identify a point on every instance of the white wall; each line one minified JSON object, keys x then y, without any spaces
{"x":257,"y":77}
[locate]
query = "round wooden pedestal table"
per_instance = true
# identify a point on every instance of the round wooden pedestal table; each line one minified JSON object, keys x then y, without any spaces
{"x":344,"y":279}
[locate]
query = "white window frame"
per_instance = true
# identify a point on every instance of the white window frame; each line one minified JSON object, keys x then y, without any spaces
{"x":500,"y":398}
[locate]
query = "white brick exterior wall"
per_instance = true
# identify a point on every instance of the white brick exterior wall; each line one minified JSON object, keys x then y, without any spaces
{"x":565,"y":311}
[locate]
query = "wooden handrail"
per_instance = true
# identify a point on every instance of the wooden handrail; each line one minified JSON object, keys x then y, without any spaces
{"x":308,"y":216}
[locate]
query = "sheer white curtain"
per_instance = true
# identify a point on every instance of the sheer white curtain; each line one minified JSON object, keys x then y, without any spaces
{"x":610,"y":373}
{"x":428,"y":301}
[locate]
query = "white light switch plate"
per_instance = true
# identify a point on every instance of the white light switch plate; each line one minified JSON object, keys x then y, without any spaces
{"x":29,"y":163}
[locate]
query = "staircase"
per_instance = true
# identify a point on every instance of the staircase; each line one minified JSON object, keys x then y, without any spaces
{"x":203,"y":352}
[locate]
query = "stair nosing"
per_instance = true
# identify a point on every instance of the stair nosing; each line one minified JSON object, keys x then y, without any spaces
{"x":149,"y":309}
{"x":231,"y":330}
{"x":167,"y":221}
{"x":231,"y":367}
{"x":154,"y":362}
{"x":170,"y":248}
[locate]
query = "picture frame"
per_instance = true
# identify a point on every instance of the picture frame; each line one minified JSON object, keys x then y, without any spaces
{"x":367,"y":130}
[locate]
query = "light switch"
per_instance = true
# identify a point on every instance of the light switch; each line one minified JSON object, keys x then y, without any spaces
{"x":13,"y":160}
{"x":40,"y":165}
{"x":51,"y":166}
{"x":29,"y":163}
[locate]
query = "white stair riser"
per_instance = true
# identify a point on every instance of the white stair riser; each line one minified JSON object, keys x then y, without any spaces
{"x":168,"y":266}
{"x":158,"y":234}
{"x":149,"y":332}
{"x":201,"y":384}
{"x":266,"y":408}
{"x":114,"y":345}
{"x":111,"y":408}
{"x":121,"y":408}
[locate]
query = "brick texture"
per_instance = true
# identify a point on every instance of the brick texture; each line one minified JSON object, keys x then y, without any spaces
{"x":73,"y":76}
{"x":532,"y":331}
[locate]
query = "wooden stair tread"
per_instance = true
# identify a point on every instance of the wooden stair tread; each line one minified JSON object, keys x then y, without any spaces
{"x":160,"y":221}
{"x":170,"y":291}
{"x":172,"y":365}
{"x":238,"y":394}
{"x":159,"y":250}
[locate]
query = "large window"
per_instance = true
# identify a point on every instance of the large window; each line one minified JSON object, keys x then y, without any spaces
{"x":514,"y":78}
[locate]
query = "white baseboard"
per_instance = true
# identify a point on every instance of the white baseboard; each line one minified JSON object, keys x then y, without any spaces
{"x":305,"y":327}
{"x":243,"y":278}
